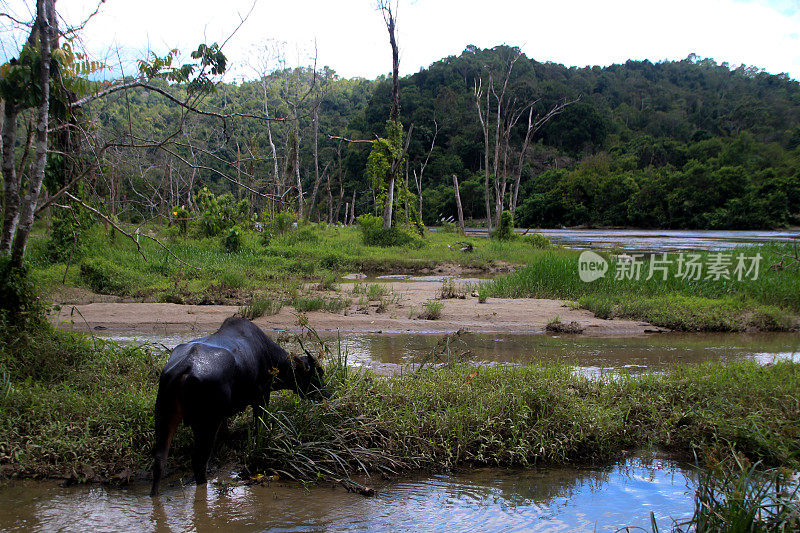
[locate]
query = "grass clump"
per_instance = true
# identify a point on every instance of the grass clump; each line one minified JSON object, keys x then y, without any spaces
{"x":538,"y":241}
{"x":89,"y":405}
{"x":432,"y":310}
{"x":737,"y":495}
{"x":376,"y":291}
{"x":505,"y":230}
{"x":260,"y":305}
{"x":329,"y":282}
{"x":770,"y":302}
{"x":450,"y":290}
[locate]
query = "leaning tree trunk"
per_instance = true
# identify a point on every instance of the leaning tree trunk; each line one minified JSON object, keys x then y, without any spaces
{"x":458,"y":204}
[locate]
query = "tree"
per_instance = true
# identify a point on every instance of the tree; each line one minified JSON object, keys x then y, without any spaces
{"x":390,"y":146}
{"x":26,"y":84}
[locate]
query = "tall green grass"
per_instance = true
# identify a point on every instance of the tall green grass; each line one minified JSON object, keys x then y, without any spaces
{"x":70,"y":404}
{"x":770,"y":302}
{"x":202,"y":268}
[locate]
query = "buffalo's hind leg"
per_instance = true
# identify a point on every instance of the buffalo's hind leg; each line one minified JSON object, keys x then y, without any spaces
{"x":165,"y":425}
{"x":205,"y":434}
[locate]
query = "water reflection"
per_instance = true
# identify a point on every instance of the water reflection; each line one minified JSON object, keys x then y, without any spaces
{"x":551,"y":499}
{"x":590,"y":355}
{"x":657,"y":240}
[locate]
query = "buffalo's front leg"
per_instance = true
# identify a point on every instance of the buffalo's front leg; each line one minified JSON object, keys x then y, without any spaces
{"x":205,"y":434}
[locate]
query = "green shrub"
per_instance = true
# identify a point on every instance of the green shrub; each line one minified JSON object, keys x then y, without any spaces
{"x":373,"y":234}
{"x":67,"y":228}
{"x":282,"y":222}
{"x":449,"y":227}
{"x":104,"y":277}
{"x":181,"y":215}
{"x":232,"y":242}
{"x":20,"y":308}
{"x":505,"y":231}
{"x":538,"y":241}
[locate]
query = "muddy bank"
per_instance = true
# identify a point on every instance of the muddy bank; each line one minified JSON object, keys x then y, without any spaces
{"x":503,"y":315}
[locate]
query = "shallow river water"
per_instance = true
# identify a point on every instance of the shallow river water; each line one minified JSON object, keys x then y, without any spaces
{"x":552,"y":499}
{"x":388,"y":354}
{"x":655,"y":240}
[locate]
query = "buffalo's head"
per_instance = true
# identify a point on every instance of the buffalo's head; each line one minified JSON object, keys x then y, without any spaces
{"x":309,"y":378}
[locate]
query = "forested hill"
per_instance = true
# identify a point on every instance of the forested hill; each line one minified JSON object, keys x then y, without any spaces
{"x":673,"y":144}
{"x":679,"y":144}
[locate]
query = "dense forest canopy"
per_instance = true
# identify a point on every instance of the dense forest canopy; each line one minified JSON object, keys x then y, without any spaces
{"x":674,"y":144}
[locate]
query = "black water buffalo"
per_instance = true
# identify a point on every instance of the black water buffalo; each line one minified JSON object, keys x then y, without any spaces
{"x":209,"y":379}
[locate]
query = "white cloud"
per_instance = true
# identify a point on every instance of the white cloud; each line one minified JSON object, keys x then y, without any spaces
{"x":351,"y":38}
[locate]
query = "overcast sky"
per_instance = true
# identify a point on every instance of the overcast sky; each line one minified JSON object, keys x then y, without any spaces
{"x":351,"y":37}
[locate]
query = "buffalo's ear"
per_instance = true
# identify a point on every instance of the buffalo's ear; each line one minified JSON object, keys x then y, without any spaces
{"x":303,"y":362}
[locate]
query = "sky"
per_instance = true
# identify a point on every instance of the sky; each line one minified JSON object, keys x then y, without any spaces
{"x":350,"y":36}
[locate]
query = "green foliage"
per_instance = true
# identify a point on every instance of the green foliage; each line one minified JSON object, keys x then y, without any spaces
{"x":771,"y":302}
{"x":218,"y":213}
{"x":505,"y":231}
{"x":181,"y":215}
{"x":20,"y":307}
{"x":260,"y":305}
{"x":538,"y":241}
{"x":212,"y":62}
{"x":232,"y":242}
{"x":386,"y":152}
{"x":283,"y":222}
{"x":744,"y":497}
{"x":105,"y":277}
{"x":373,"y":234}
{"x":432,"y":310}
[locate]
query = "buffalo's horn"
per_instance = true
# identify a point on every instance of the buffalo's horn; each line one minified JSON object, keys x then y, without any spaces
{"x":309,"y":354}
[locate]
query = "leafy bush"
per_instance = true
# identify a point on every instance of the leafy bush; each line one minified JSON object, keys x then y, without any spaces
{"x":373,"y":234}
{"x":538,"y":241}
{"x":282,"y":222}
{"x":104,"y":277}
{"x":505,"y":231}
{"x":66,"y":229}
{"x":232,"y":242}
{"x":181,"y":215}
{"x":20,"y":308}
{"x":218,"y":213}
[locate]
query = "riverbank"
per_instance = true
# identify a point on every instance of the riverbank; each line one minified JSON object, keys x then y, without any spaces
{"x":302,"y":269}
{"x":396,"y":309}
{"x":81,"y":410}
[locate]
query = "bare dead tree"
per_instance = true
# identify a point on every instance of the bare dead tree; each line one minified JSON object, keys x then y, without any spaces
{"x":418,"y":178}
{"x":507,"y":113}
{"x":388,"y":9}
{"x":458,"y":204}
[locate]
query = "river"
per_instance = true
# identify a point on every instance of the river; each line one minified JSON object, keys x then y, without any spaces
{"x":602,"y":498}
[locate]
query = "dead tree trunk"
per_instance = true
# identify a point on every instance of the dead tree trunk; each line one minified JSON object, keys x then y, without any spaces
{"x":389,"y":17}
{"x":458,"y":204}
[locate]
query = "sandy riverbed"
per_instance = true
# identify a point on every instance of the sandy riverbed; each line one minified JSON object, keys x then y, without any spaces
{"x":523,"y":315}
